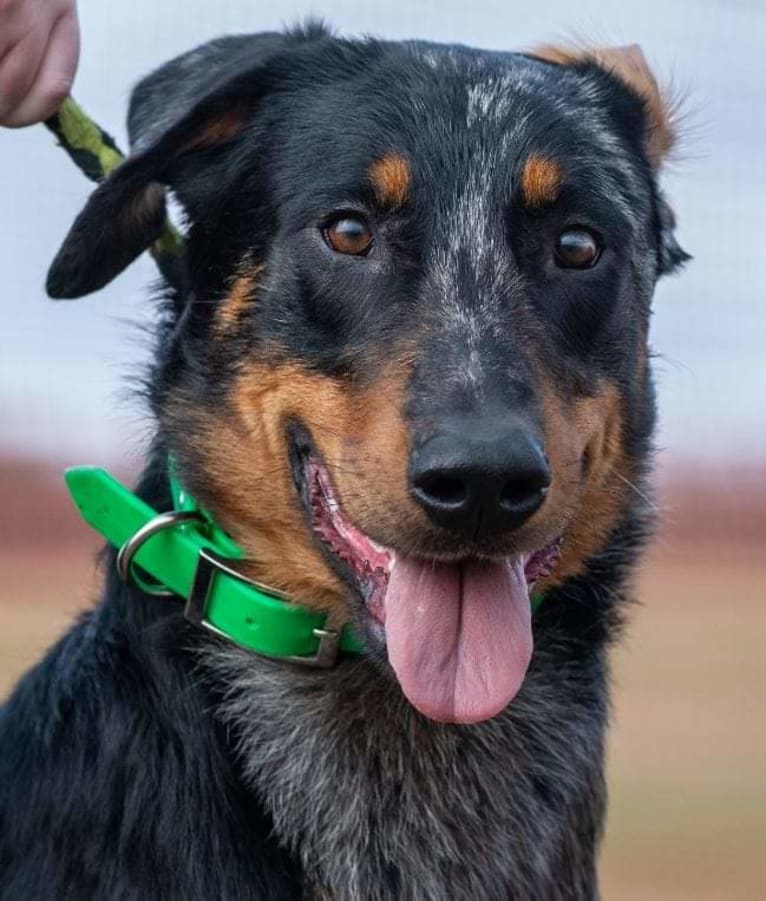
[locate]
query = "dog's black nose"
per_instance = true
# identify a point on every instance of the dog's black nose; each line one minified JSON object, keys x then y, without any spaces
{"x":475,"y":476}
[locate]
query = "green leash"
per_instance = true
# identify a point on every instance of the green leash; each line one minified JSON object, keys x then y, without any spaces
{"x":95,"y":153}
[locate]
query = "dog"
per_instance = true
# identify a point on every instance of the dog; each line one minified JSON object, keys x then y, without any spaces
{"x":405,"y":369}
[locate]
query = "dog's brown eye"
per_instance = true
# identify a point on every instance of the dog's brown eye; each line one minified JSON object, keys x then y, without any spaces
{"x":349,"y":235}
{"x":577,"y":248}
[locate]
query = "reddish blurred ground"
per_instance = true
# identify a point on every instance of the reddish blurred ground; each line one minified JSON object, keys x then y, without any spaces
{"x":688,"y":745}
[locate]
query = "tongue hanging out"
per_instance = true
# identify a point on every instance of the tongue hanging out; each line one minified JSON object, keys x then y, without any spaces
{"x":459,"y":635}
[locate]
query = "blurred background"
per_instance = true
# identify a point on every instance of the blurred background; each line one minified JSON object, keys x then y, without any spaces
{"x":687,"y":751}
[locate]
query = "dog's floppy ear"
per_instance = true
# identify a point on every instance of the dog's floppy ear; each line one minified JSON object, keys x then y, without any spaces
{"x":628,"y":64}
{"x":202,"y":99}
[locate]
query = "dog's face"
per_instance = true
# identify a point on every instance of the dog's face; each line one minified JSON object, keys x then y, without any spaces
{"x":408,"y":369}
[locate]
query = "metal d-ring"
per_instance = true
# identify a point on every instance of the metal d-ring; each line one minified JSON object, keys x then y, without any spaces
{"x":131,"y":547}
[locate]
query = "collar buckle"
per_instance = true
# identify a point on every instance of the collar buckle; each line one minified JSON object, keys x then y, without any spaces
{"x":327,"y":653}
{"x":209,"y":565}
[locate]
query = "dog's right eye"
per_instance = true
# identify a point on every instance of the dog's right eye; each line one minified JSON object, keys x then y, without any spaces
{"x":349,"y":235}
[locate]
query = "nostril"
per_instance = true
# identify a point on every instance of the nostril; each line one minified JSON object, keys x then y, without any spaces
{"x":521,"y":491}
{"x":444,"y":490}
{"x":480,"y":476}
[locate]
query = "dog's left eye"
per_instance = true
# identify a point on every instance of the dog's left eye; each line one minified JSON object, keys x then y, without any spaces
{"x":349,"y":235}
{"x":577,"y":248}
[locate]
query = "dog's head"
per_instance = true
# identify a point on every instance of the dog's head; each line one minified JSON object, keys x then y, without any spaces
{"x":408,"y":366}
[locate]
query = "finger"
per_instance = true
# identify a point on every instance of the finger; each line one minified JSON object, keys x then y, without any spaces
{"x":55,"y":77}
{"x":19,"y":68}
{"x":19,"y":18}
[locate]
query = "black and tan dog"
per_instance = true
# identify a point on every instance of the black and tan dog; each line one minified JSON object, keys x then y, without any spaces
{"x":407,"y":371}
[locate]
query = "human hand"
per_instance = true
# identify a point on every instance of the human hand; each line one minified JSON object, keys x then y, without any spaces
{"x":39,"y":49}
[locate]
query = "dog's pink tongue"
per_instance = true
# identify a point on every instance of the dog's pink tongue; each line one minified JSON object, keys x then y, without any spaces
{"x":459,"y":636}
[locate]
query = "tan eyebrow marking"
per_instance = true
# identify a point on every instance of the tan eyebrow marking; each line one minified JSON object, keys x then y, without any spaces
{"x":391,"y":178}
{"x":541,"y":180}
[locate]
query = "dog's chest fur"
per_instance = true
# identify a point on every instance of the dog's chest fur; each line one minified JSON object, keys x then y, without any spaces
{"x":379,"y":802}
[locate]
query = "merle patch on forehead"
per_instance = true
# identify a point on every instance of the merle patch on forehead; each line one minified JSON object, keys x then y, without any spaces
{"x":464,"y":175}
{"x":458,"y":116}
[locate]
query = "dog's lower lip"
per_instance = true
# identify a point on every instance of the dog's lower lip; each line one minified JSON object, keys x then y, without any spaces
{"x":368,"y":563}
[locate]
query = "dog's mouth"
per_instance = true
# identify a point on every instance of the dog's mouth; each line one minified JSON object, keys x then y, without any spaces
{"x":457,"y":634}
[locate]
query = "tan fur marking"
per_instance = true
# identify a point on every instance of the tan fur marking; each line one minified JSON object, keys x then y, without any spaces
{"x":360,"y":433}
{"x":227,"y":315}
{"x":390,"y":177}
{"x":630,"y":66}
{"x":590,"y":472}
{"x":242,"y":456}
{"x":540,"y":180}
{"x":361,"y":437}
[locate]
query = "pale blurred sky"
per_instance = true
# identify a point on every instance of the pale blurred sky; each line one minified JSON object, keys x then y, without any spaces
{"x":65,"y":367}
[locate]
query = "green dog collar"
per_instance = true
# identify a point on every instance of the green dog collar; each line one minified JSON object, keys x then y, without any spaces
{"x":187,"y":555}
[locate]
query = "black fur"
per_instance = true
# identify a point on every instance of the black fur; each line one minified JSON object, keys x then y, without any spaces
{"x":143,"y":759}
